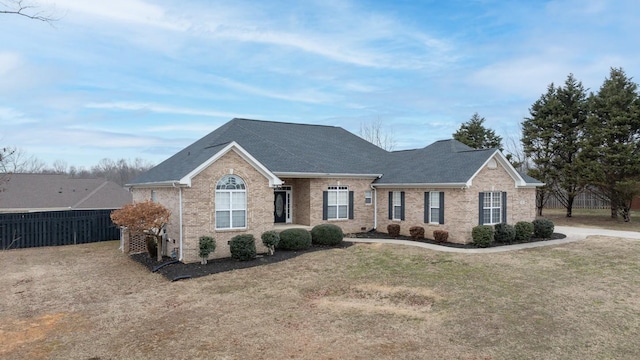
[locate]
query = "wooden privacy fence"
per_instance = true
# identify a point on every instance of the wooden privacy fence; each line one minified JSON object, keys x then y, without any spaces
{"x":24,"y":230}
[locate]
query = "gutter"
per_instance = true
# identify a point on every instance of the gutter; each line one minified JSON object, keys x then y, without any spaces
{"x":423,"y":185}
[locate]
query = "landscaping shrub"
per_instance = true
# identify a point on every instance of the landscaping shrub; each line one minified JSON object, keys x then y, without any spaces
{"x":294,"y":239}
{"x":440,"y":235}
{"x":393,"y":230}
{"x":243,"y":247}
{"x":152,"y":246}
{"x":326,"y":234}
{"x":482,"y":235}
{"x":416,"y":232}
{"x":270,"y":239}
{"x":207,"y":246}
{"x":542,"y":228}
{"x":504,"y":233}
{"x":524,"y":231}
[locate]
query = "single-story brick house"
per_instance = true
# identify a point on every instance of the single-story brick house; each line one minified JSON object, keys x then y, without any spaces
{"x":250,"y":176}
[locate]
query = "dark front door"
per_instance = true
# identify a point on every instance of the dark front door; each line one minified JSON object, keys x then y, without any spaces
{"x":279,"y":205}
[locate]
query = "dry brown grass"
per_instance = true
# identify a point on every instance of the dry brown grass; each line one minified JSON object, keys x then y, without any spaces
{"x":594,"y":218}
{"x":368,"y":301}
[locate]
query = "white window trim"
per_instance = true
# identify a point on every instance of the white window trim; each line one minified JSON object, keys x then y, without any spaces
{"x":434,"y":209}
{"x":397,"y":203}
{"x":490,"y":195}
{"x":337,"y":189}
{"x":231,"y":208}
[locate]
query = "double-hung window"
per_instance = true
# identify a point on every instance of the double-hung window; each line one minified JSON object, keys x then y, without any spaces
{"x":367,"y":197}
{"x":396,"y":205}
{"x":337,"y":203}
{"x":434,"y":207}
{"x":492,"y":208}
{"x":231,"y":203}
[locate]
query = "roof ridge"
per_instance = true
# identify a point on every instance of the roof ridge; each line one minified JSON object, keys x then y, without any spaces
{"x":287,"y":123}
{"x":89,"y":195}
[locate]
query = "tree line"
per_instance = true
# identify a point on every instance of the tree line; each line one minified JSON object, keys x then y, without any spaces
{"x":121,"y":171}
{"x":573,"y":140}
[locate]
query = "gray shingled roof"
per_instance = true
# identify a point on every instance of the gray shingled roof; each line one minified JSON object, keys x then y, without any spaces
{"x":302,"y":148}
{"x":52,"y":191}
{"x":281,"y":147}
{"x":445,"y":161}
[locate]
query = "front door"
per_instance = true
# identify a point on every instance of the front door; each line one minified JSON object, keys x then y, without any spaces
{"x":280,"y":206}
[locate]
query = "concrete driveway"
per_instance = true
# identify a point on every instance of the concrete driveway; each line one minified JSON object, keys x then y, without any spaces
{"x":573,"y":234}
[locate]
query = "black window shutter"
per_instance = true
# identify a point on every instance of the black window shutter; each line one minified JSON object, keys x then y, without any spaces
{"x":441,"y":207}
{"x":350,"y":204}
{"x":480,"y":207}
{"x":325,"y":203}
{"x":426,"y":207}
{"x":401,"y":205}
{"x":390,"y":205}
{"x":504,"y":207}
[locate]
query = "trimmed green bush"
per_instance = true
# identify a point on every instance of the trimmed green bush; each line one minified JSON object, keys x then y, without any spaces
{"x":243,"y":247}
{"x":542,"y":228}
{"x":326,"y":234}
{"x":393,"y":230}
{"x":416,"y":232}
{"x":440,"y":235}
{"x":524,"y":231}
{"x":207,"y":246}
{"x":270,"y":239}
{"x":482,"y":235}
{"x":294,"y":239}
{"x":504,"y":233}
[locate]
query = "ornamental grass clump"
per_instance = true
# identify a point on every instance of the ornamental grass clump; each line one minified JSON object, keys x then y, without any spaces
{"x":482,"y":235}
{"x":543,"y":228}
{"x":393,"y":230}
{"x":207,"y":245}
{"x":270,"y":239}
{"x":326,"y":234}
{"x":243,"y":247}
{"x":440,"y":236}
{"x":294,"y":239}
{"x":416,"y":232}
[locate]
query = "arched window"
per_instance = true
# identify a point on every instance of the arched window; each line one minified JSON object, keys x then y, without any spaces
{"x":231,"y":203}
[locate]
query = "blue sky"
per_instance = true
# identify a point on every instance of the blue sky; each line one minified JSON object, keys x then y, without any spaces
{"x":144,"y":78}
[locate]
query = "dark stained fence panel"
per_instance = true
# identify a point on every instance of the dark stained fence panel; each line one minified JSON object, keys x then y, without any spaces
{"x":52,"y":228}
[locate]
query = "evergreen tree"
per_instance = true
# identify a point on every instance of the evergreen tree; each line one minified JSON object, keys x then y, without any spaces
{"x":475,"y":135}
{"x":612,"y":143}
{"x":552,"y":137}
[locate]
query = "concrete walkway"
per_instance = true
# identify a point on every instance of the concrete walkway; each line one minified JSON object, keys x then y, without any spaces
{"x":573,"y":234}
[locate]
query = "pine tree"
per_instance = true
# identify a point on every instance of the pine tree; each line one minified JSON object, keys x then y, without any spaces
{"x":552,"y":137}
{"x":612,"y":143}
{"x":475,"y":135}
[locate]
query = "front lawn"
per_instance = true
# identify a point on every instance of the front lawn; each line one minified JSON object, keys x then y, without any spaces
{"x":596,"y":218}
{"x":367,"y":301}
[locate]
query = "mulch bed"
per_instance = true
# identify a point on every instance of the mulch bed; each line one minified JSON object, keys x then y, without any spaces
{"x":178,"y":271}
{"x":381,"y":235}
{"x":174,"y":270}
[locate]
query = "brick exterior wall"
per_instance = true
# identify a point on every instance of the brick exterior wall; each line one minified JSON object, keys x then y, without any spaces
{"x":169,"y":198}
{"x":461,"y":205}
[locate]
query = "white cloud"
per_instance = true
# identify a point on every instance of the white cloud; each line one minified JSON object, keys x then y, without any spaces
{"x":157,"y":108}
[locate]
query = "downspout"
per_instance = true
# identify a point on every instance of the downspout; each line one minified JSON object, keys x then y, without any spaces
{"x":375,"y":207}
{"x":180,"y":217}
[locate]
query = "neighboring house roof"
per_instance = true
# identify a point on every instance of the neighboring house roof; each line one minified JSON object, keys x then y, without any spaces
{"x":48,"y":192}
{"x":298,"y":150}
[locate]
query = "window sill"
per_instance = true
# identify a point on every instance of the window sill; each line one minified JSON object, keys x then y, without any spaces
{"x":231,"y":229}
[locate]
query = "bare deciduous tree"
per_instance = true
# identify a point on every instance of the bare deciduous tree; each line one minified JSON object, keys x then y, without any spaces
{"x":26,"y":9}
{"x":374,"y":133}
{"x":17,"y":161}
